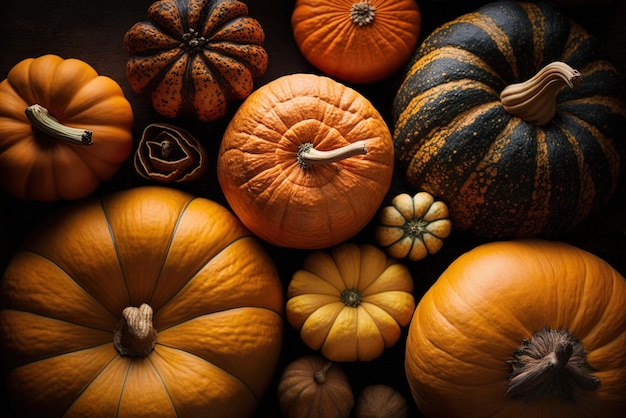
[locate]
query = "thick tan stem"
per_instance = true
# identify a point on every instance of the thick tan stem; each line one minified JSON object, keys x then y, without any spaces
{"x":552,"y":364}
{"x":135,"y":335}
{"x":362,"y":13}
{"x":41,"y":119}
{"x":535,"y":100}
{"x":307,"y":155}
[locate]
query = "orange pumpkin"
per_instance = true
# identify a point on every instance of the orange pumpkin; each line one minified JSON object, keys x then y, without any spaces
{"x":144,"y":303}
{"x":351,"y":302}
{"x":357,"y":41}
{"x":522,"y":328}
{"x":193,"y":57}
{"x":305,"y":162}
{"x":64,"y":129}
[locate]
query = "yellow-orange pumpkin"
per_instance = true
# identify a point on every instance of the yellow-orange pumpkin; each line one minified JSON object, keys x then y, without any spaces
{"x":523,"y":328}
{"x":305,"y":162}
{"x":64,"y":129}
{"x":144,"y":303}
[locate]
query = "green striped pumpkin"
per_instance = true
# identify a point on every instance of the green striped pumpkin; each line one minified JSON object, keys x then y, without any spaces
{"x":503,"y":176}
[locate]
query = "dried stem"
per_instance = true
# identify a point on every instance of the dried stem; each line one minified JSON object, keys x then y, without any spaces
{"x":135,"y":335}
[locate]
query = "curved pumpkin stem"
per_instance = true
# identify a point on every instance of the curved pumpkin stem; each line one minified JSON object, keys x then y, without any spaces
{"x":135,"y":335}
{"x":320,"y":375}
{"x":552,"y":363}
{"x":308,"y":155}
{"x":42,"y":120}
{"x":535,"y":100}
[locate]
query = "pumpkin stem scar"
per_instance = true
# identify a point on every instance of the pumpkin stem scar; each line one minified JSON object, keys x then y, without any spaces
{"x":135,"y":335}
{"x":43,"y":121}
{"x":534,"y":100}
{"x":552,"y":363}
{"x":351,"y":297}
{"x":308,"y":155}
{"x":320,"y":375}
{"x":362,"y":13}
{"x":192,"y":41}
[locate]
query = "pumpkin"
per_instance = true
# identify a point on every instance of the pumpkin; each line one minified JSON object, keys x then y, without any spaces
{"x":313,"y":387}
{"x":305,"y":162}
{"x":193,"y":57}
{"x":350,"y":302}
{"x":381,"y":401}
{"x":142,"y":303}
{"x":486,"y":121}
{"x":521,"y":328}
{"x":413,"y":226}
{"x":64,"y":129}
{"x":357,"y":41}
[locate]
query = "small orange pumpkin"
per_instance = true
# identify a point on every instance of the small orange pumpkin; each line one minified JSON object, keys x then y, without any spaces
{"x":64,"y":129}
{"x":351,"y":302}
{"x":522,"y":328}
{"x":357,"y":41}
{"x":305,"y":162}
{"x":148,"y":302}
{"x":195,"y":56}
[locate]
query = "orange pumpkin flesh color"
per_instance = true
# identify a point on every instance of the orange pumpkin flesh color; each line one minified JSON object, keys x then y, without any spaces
{"x":145,"y":303}
{"x":305,"y":162}
{"x":357,"y":41}
{"x":64,"y":129}
{"x":522,"y":328}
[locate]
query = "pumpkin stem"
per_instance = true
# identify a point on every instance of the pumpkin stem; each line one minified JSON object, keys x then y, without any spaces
{"x":362,"y":13}
{"x":535,"y":100}
{"x":42,"y":120}
{"x":135,"y":336}
{"x":308,"y":155}
{"x":351,"y":297}
{"x":320,"y":375}
{"x":552,"y":363}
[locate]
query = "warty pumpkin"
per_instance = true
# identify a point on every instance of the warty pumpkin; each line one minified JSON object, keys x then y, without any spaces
{"x":64,"y":129}
{"x":193,"y":57}
{"x":148,"y":302}
{"x":313,"y":387}
{"x":305,"y":162}
{"x":521,"y":328}
{"x":485,"y":121}
{"x":357,"y":41}
{"x":350,"y":302}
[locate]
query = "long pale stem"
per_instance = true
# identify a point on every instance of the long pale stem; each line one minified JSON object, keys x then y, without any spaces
{"x":534,"y":100}
{"x":307,"y":155}
{"x":43,"y":121}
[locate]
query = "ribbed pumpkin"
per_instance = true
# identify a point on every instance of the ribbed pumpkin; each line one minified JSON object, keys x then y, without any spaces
{"x":305,"y":162}
{"x":532,"y":160}
{"x":193,"y":57}
{"x":350,"y":302}
{"x":357,"y":41}
{"x":522,"y":328}
{"x":64,"y":129}
{"x":144,"y":303}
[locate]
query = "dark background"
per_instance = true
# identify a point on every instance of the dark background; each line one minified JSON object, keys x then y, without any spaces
{"x":93,"y":31}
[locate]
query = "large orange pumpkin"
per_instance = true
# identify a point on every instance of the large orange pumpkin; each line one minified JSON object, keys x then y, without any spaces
{"x":357,"y":41}
{"x":305,"y":162}
{"x":64,"y":129}
{"x":144,"y":303}
{"x":524,"y":328}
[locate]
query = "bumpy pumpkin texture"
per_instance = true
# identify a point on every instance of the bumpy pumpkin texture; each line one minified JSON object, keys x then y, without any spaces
{"x":147,"y":302}
{"x":506,"y":174}
{"x":305,"y":162}
{"x":64,"y":129}
{"x":193,"y":57}
{"x":521,"y":328}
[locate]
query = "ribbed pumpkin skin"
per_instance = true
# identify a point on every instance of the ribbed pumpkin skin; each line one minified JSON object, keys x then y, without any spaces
{"x":469,"y":323}
{"x":333,"y":43}
{"x":197,"y":73}
{"x":272,"y":194}
{"x":217,"y":303}
{"x":500,"y":176}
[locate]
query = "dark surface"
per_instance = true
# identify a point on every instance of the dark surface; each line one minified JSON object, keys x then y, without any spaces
{"x":93,"y":31}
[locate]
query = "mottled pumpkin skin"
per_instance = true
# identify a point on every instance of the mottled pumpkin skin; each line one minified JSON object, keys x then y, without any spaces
{"x":500,"y":176}
{"x":468,"y":324}
{"x":195,"y":56}
{"x":216,"y":296}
